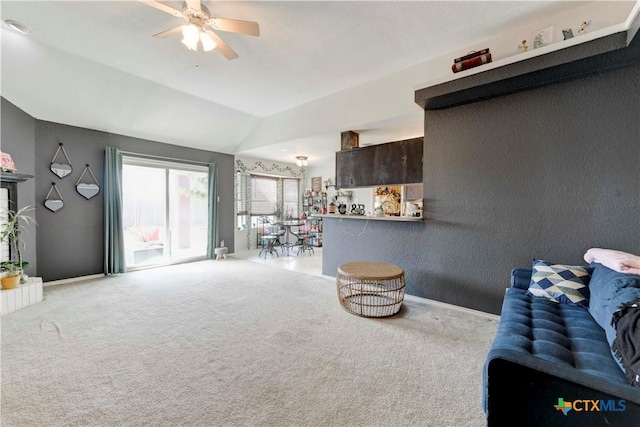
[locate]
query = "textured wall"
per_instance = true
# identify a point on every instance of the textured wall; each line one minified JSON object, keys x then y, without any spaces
{"x":546,"y":173}
{"x":399,"y":243}
{"x":70,"y":241}
{"x":17,"y":139}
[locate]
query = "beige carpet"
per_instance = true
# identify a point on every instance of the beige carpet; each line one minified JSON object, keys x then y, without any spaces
{"x":236,"y":343}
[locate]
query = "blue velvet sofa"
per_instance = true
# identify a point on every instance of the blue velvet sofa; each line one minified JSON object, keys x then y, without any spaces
{"x":551,"y":364}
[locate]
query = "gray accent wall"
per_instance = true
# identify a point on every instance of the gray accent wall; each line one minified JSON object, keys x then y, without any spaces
{"x":547,"y":173}
{"x":70,"y":240}
{"x":17,"y":138}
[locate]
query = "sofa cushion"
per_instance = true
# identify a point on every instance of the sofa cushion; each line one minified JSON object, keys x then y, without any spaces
{"x":609,"y":290}
{"x":562,"y":283}
{"x":563,"y":334}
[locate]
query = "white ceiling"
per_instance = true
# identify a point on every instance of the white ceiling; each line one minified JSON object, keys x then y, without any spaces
{"x":94,"y":64}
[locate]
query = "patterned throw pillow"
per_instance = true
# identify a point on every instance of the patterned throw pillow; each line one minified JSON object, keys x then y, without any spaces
{"x":568,"y":284}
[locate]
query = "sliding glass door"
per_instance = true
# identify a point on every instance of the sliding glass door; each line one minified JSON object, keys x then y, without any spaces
{"x":165,"y":212}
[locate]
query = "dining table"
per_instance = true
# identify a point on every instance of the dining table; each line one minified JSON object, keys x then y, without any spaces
{"x":297,"y":235}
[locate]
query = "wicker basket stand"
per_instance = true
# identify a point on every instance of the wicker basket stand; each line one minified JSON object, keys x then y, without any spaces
{"x":370,"y":289}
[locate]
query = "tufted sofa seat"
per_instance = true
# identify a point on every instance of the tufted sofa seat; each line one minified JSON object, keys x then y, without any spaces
{"x":544,"y":351}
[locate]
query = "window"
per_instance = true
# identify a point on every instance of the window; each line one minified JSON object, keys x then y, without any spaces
{"x":266,"y":196}
{"x":243,"y":206}
{"x":165,"y":211}
{"x":290,"y":197}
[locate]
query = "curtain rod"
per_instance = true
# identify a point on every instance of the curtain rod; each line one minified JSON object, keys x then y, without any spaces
{"x":131,"y":153}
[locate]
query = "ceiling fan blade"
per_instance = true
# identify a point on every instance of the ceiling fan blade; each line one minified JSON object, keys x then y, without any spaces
{"x":249,"y":28}
{"x":194,"y":4}
{"x":170,"y":32}
{"x":163,"y":8}
{"x":223,"y":46}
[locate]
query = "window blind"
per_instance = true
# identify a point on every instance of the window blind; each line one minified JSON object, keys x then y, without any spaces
{"x":290,"y":196}
{"x":264,"y":195}
{"x":242,"y":194}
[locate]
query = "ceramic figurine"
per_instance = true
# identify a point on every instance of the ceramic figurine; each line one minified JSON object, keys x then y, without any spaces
{"x":523,"y":46}
{"x":583,"y":27}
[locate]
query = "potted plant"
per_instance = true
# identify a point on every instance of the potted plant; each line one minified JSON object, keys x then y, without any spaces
{"x":14,"y":223}
{"x":277,"y":213}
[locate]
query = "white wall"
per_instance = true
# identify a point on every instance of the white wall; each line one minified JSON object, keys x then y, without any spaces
{"x":4,"y":207}
{"x":392,"y":96}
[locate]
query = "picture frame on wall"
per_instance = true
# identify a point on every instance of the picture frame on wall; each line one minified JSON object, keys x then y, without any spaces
{"x":567,"y":33}
{"x":316,"y":184}
{"x":542,"y":37}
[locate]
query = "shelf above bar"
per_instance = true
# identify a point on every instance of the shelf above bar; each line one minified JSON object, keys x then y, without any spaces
{"x":604,"y":50}
{"x":371,"y":217}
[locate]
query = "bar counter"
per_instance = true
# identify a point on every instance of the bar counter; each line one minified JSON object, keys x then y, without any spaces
{"x":369,"y":217}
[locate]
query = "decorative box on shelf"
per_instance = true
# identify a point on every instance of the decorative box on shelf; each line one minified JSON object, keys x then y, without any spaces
{"x":471,"y":60}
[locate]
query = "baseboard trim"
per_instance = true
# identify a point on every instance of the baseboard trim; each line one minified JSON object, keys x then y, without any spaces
{"x":489,"y":316}
{"x":72,"y":280}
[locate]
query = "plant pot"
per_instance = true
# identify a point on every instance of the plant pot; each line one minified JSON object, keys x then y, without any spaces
{"x":11,"y":282}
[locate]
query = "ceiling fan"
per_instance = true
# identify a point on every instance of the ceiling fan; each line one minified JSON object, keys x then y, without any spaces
{"x":200,"y":27}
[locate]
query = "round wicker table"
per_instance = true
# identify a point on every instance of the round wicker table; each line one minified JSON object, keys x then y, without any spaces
{"x":370,"y":289}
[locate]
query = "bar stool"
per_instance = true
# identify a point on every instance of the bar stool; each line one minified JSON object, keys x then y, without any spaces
{"x":268,"y":247}
{"x":303,"y":238}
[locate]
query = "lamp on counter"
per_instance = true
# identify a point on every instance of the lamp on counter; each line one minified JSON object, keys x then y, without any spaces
{"x":301,"y":161}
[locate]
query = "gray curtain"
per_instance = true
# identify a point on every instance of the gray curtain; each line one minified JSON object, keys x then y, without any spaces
{"x":212,"y":227}
{"x":114,"y":261}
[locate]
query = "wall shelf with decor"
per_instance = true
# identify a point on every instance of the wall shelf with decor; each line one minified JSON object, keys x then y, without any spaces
{"x":373,"y":217}
{"x":314,"y":204}
{"x":262,"y":229}
{"x":14,"y":177}
{"x":314,"y":229}
{"x":608,"y":49}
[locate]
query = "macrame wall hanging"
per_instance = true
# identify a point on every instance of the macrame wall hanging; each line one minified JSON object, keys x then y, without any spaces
{"x":87,"y":190}
{"x":53,"y":204}
{"x":59,"y":168}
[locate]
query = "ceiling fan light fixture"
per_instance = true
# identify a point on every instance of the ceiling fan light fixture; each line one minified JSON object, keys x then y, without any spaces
{"x":190,"y":44}
{"x":202,"y":27}
{"x":191,"y":35}
{"x":207,"y":42}
{"x":302,"y":160}
{"x":190,"y":32}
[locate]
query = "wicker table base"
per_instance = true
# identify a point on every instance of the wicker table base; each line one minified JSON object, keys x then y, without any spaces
{"x":370,"y":289}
